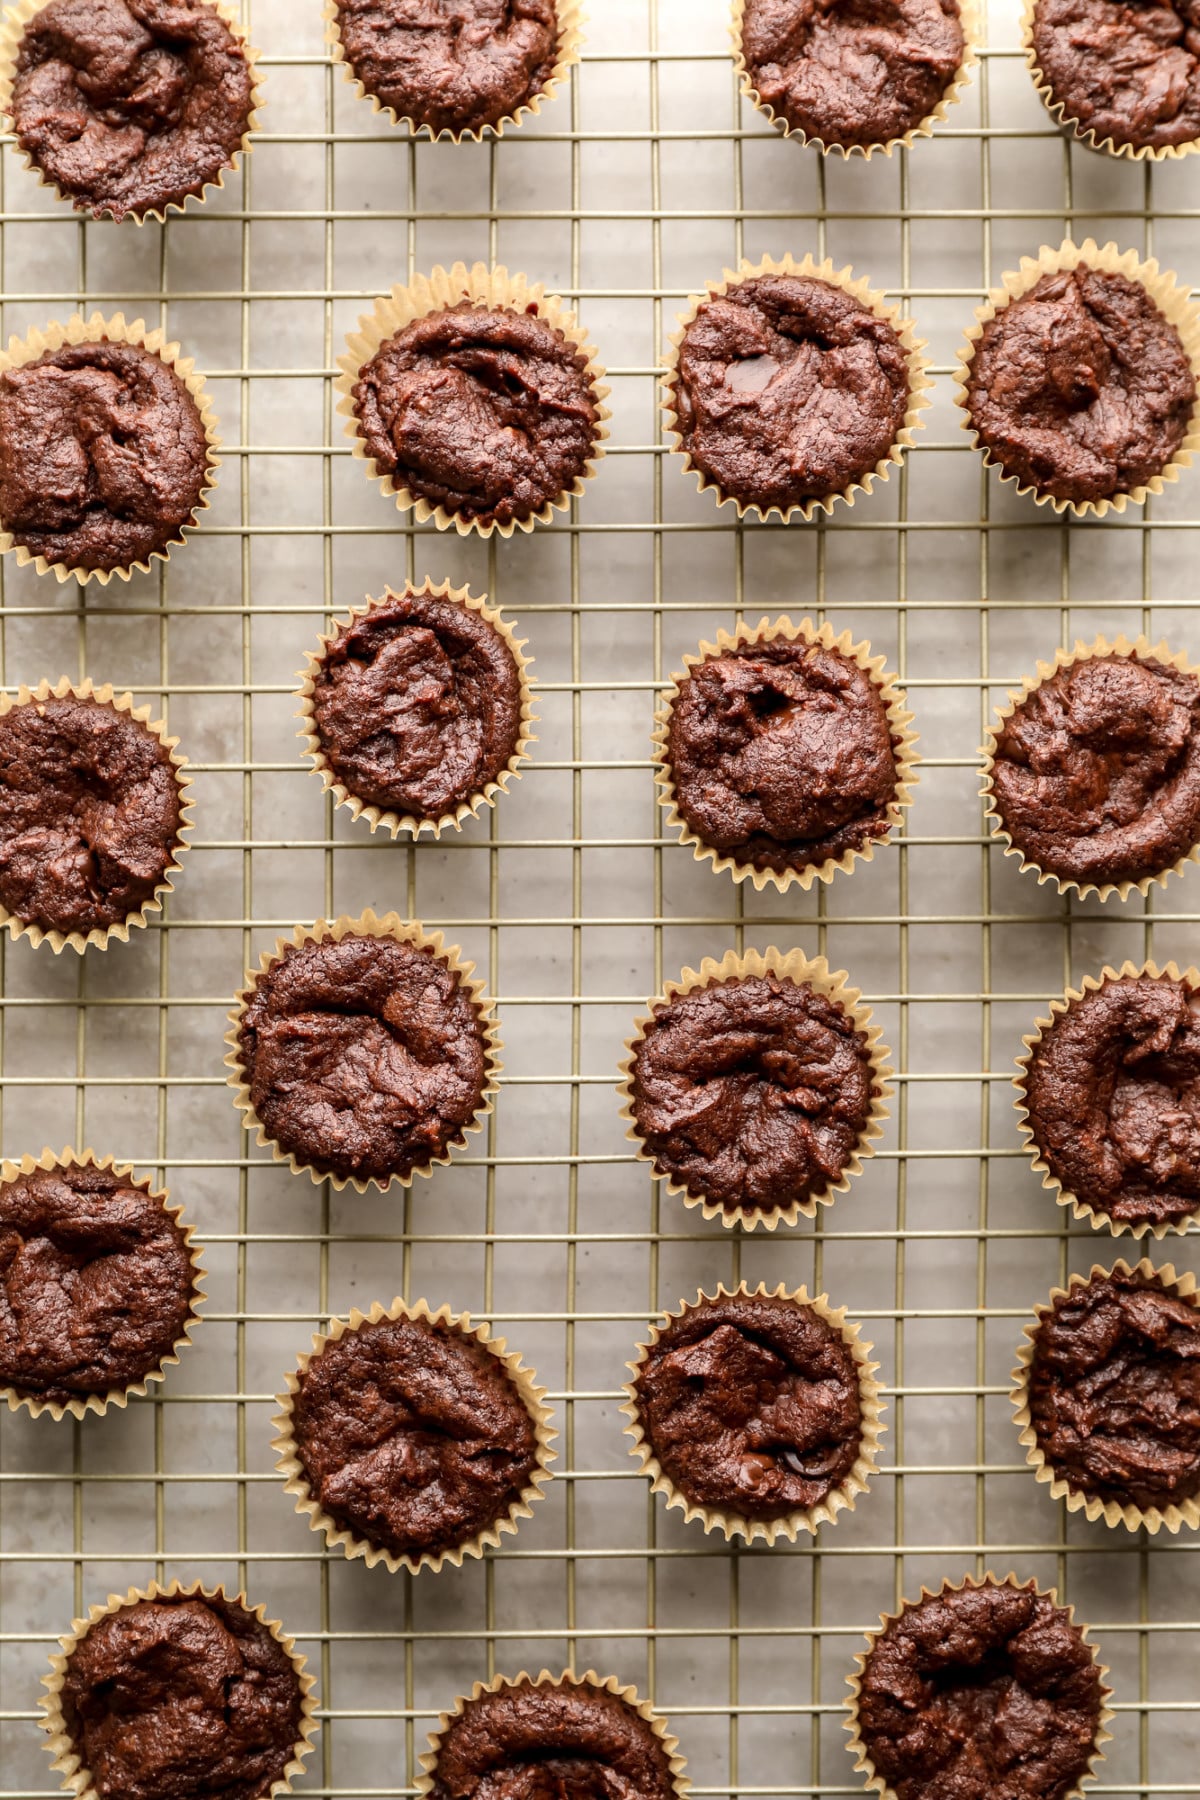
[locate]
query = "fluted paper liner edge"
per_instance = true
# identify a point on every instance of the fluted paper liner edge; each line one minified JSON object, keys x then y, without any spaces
{"x":1093,"y":1507}
{"x":379,"y":817}
{"x":67,"y":1763}
{"x":900,"y":721}
{"x":404,"y":931}
{"x":1171,"y":299}
{"x":839,"y":1499}
{"x":971,"y":16}
{"x":809,"y":269}
{"x":571,"y":19}
{"x":858,"y":1749}
{"x":608,"y":1684}
{"x":12,"y":29}
{"x":524,"y":1380}
{"x":439,"y":291}
{"x":101,"y":936}
{"x":1086,"y":134}
{"x":1065,"y":659}
{"x":116,"y":330}
{"x":81,"y":1404}
{"x":795,"y":966}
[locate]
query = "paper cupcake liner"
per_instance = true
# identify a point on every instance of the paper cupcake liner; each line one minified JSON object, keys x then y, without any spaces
{"x":101,"y":936}
{"x":900,"y":719}
{"x":81,"y":1404}
{"x":859,"y":289}
{"x":1086,"y":134}
{"x":439,"y":291}
{"x":467,"y":809}
{"x":839,"y":1499}
{"x":792,"y":966}
{"x":67,"y":1763}
{"x":289,"y":1464}
{"x":1064,"y":659}
{"x":1084,"y":1209}
{"x":1186,"y":1512}
{"x":858,"y":1749}
{"x":608,"y":1684}
{"x":971,"y":15}
{"x":1171,"y":300}
{"x":12,"y":30}
{"x":98,"y":329}
{"x":391,"y":925}
{"x":570,"y":40}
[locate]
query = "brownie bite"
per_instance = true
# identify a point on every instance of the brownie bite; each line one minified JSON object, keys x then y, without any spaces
{"x":1111,"y":1090}
{"x":416,"y":705}
{"x":1081,"y":388}
{"x":1095,"y":775}
{"x":412,"y":1435}
{"x":781,"y":754}
{"x":185,"y":1697}
{"x":1113,"y":1389}
{"x":855,"y":73}
{"x":751,"y":1405}
{"x":130,"y":106}
{"x":485,"y":411}
{"x":91,"y":810}
{"x":457,"y":66}
{"x":545,"y":1737}
{"x":97,"y":1284}
{"x":1126,"y":70}
{"x":978,"y":1692}
{"x":788,"y":390}
{"x":362,"y":1057}
{"x":752,"y":1093}
{"x":103,"y":455}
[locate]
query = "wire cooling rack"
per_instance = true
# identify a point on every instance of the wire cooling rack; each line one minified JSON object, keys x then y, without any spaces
{"x":646,"y":177}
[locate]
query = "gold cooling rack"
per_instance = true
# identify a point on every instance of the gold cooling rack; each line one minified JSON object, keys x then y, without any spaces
{"x":648,"y":176}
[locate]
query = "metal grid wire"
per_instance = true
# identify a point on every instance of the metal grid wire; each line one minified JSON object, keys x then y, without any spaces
{"x":648,"y":176}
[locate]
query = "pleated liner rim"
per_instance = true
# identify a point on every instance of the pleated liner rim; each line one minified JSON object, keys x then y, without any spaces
{"x":1086,"y":134}
{"x":383,"y":817}
{"x":403,"y":931}
{"x":1140,"y":647}
{"x":289,"y":1464}
{"x":900,"y":720}
{"x":839,"y":1499}
{"x":67,"y":1763}
{"x":792,"y":966}
{"x":858,"y":1749}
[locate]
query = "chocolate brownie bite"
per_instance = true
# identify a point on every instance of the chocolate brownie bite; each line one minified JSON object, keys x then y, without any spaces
{"x":416,"y":708}
{"x":91,"y":814}
{"x":1080,"y":387}
{"x":977,"y":1692}
{"x":1094,"y":774}
{"x":755,"y":1412}
{"x":130,"y":106}
{"x":786,"y":390}
{"x":754,"y":1087}
{"x":363,"y":1052}
{"x":181,"y":1693}
{"x":460,"y":67}
{"x":98,"y":1284}
{"x":1109,"y":1392}
{"x":481,"y":414}
{"x":1124,"y":73}
{"x":104,"y":455}
{"x":411,"y":1437}
{"x":784,"y":754}
{"x":1110,"y":1091}
{"x":570,"y":1737}
{"x":854,"y":75}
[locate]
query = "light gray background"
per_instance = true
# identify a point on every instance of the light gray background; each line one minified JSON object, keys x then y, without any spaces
{"x":626,"y":193}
